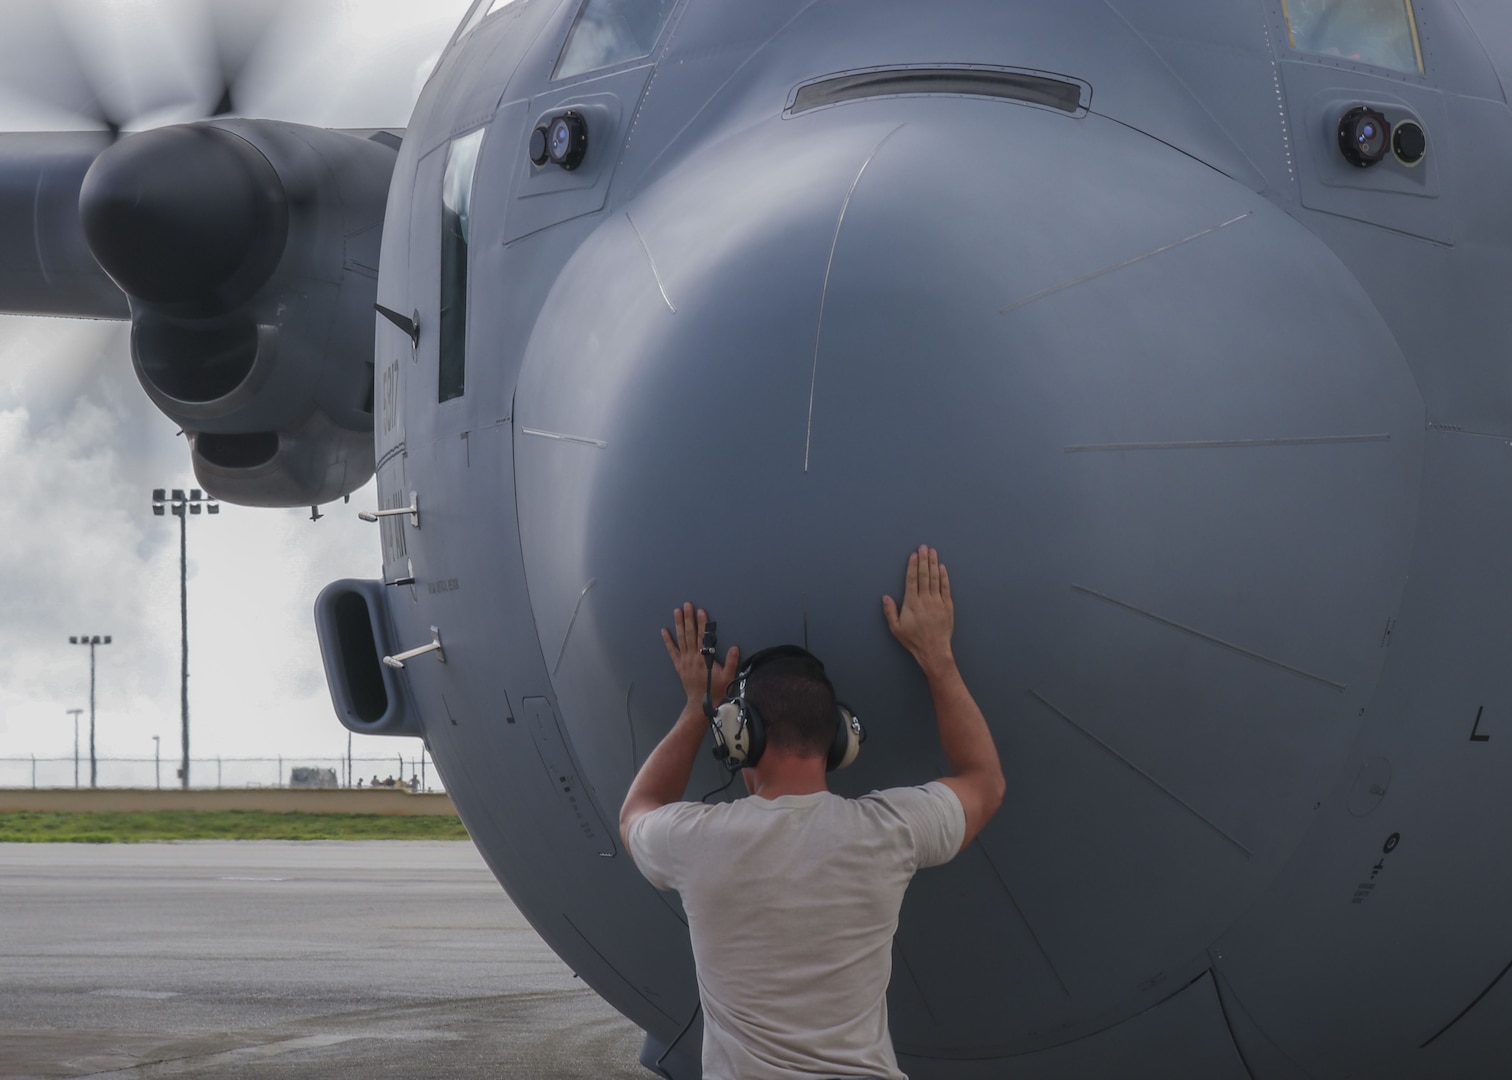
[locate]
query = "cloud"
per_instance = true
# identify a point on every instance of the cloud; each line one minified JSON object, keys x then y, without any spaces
{"x":81,"y":449}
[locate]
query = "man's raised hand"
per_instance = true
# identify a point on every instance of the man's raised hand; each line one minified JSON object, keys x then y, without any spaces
{"x":927,"y":619}
{"x":684,"y":644}
{"x":924,"y":627}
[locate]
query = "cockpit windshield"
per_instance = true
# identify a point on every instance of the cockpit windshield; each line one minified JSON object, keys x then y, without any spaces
{"x":1379,"y":32}
{"x":480,"y":10}
{"x":609,"y":32}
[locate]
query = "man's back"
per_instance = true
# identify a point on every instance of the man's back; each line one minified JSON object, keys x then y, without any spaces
{"x":793,"y":894}
{"x":792,"y":905}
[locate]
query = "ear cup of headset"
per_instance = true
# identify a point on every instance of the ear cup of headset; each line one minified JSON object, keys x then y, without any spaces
{"x":753,"y":728}
{"x":730,"y":743}
{"x":739,"y":734}
{"x":849,"y":735}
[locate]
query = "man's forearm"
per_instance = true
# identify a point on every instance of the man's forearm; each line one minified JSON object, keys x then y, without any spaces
{"x":664,"y":776}
{"x":964,"y":734}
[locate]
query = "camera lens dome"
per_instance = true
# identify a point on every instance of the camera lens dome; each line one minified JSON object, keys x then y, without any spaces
{"x":1364,"y":136}
{"x":567,"y":140}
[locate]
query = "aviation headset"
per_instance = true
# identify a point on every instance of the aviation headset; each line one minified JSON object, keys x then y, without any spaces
{"x":740,"y":733}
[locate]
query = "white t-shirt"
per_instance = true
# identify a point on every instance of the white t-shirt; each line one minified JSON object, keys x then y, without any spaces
{"x":792,"y":905}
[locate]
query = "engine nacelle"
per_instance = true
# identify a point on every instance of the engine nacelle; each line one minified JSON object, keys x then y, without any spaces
{"x":249,"y":251}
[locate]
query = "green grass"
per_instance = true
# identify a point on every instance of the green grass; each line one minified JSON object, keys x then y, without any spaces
{"x":41,"y":827}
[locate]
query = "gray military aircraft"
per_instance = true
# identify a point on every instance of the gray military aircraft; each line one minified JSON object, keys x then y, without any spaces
{"x":1179,"y":326}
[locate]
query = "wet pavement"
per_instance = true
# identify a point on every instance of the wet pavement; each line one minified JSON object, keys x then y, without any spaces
{"x":294,"y":960}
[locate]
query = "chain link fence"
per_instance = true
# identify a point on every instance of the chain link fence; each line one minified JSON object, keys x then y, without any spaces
{"x":392,"y":770}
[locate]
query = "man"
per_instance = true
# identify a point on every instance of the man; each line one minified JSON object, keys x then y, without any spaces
{"x":792,"y":895}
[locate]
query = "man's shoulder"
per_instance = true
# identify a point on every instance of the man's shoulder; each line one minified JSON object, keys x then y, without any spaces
{"x":934,"y":793}
{"x":931,"y":814}
{"x":670,"y":814}
{"x":659,"y":840}
{"x":678,"y":816}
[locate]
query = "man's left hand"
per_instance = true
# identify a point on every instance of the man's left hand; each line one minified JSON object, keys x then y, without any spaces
{"x":684,"y":644}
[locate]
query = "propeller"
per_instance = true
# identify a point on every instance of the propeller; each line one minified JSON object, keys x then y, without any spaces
{"x":176,"y":214}
{"x":137,"y":65}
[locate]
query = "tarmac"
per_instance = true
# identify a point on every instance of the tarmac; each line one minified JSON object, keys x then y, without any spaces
{"x":254,"y":959}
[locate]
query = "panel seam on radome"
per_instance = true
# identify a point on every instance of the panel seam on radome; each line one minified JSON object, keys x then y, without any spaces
{"x":630,"y":721}
{"x":1188,"y":807}
{"x":682,"y":1034}
{"x":655,"y":273}
{"x":1229,"y":1024}
{"x":995,"y":1053}
{"x":909,"y":971}
{"x":1019,"y":911}
{"x":1241,"y":650}
{"x":1121,"y":265}
{"x":570,"y":624}
{"x":808,"y":440}
{"x":1465,"y":1011}
{"x":618,"y":974}
{"x":1219,"y":983}
{"x":562,"y":437}
{"x":1221,"y":444}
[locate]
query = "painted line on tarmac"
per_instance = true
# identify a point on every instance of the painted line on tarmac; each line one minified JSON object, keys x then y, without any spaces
{"x":202,"y":1064}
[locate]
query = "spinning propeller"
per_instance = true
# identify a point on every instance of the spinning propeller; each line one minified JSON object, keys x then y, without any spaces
{"x":133,"y":66}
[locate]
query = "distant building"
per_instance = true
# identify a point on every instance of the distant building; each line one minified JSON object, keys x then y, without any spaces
{"x":308,"y":776}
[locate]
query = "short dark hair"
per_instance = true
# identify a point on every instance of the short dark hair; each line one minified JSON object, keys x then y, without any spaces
{"x":797,"y":704}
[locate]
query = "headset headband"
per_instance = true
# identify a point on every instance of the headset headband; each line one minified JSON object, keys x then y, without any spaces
{"x":778,"y":652}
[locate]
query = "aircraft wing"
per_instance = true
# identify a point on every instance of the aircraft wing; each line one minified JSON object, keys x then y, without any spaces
{"x":46,"y":267}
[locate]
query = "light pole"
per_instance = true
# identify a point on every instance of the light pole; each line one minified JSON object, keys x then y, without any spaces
{"x":181,"y":506}
{"x":85,"y":639}
{"x":157,"y":760}
{"x":76,"y":713}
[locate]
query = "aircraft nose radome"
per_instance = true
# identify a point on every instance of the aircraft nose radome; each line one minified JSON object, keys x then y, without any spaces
{"x":1158,"y":431}
{"x":181,"y":213}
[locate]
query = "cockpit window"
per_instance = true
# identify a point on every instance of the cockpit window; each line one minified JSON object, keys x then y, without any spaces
{"x":480,"y":10}
{"x":456,"y":226}
{"x":1379,"y":32}
{"x":609,"y":32}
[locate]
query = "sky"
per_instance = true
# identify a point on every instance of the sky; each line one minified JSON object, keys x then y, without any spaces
{"x":82,"y":448}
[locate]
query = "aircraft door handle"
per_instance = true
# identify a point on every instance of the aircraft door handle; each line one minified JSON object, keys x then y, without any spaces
{"x":397,"y":660}
{"x":413,"y":510}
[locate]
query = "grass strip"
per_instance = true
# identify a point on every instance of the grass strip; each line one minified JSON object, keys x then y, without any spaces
{"x":89,"y":827}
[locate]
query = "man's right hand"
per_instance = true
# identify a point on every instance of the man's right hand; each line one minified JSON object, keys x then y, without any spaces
{"x":927,"y":620}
